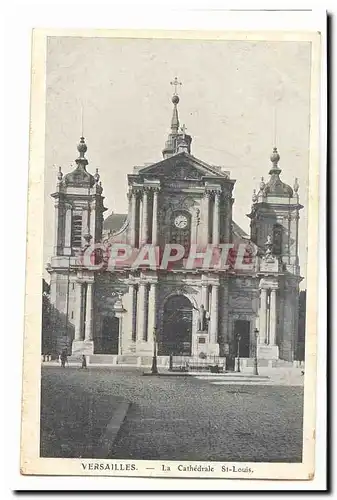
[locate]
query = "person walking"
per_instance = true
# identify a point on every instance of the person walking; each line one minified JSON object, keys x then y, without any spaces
{"x":63,"y":358}
{"x":84,"y":362}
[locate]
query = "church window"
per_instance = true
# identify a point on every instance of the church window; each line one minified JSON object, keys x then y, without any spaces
{"x":277,"y":239}
{"x":76,"y":234}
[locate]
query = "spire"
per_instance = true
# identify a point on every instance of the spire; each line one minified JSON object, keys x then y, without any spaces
{"x":275,"y":187}
{"x":80,"y":176}
{"x":178,"y":141}
{"x":175,"y":100}
{"x":175,"y":118}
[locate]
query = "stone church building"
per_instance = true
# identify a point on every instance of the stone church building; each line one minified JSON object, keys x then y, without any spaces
{"x":195,"y":312}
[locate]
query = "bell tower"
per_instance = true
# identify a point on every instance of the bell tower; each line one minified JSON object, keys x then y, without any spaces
{"x":79,"y":212}
{"x":275,"y":219}
{"x":275,"y":214}
{"x":78,"y":207}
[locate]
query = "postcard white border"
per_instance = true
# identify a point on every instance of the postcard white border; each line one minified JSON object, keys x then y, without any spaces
{"x":69,"y":15}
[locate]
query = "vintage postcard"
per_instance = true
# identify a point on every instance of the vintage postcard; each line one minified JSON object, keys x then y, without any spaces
{"x":171,"y":314}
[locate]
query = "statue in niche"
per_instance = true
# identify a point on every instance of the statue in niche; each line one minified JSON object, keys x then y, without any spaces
{"x":268,"y":255}
{"x":203,"y":319}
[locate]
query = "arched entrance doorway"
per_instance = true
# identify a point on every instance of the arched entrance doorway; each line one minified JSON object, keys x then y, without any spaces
{"x":176,"y":335}
{"x":108,"y":343}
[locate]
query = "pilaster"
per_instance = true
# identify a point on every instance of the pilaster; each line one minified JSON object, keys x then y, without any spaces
{"x":79,"y":311}
{"x":216,"y":218}
{"x":155,"y":217}
{"x":89,"y":313}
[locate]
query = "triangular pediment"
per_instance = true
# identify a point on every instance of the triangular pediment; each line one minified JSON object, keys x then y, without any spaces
{"x":182,"y":166}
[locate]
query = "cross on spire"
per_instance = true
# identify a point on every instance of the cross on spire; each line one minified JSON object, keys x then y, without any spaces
{"x":175,"y":84}
{"x":183,"y":130}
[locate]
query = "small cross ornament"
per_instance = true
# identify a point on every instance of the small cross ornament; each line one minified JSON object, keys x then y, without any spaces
{"x":175,"y":84}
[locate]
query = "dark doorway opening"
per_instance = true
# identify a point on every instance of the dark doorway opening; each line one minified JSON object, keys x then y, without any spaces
{"x":176,"y":336}
{"x":108,"y":343}
{"x":242,"y":328}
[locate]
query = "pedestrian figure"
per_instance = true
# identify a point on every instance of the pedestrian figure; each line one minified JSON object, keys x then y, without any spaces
{"x":63,"y":358}
{"x":84,"y":362}
{"x":171,"y":362}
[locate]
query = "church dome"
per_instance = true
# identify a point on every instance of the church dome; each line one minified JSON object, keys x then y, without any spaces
{"x":80,"y":176}
{"x":275,"y":187}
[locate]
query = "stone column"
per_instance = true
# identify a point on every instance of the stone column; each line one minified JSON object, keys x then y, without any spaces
{"x":268,"y":321}
{"x":67,"y":231}
{"x":140,"y":219}
{"x":205,"y":239}
{"x":85,"y":224}
{"x":89,"y":313}
{"x":263,"y":316}
{"x":133,"y":310}
{"x":142,"y":313}
{"x":133,"y":219}
{"x":272,"y":316}
{"x":216,"y":219}
{"x":57,"y":224}
{"x":223,"y":313}
{"x":152,"y":306}
{"x":214,"y":314}
{"x":92,"y":220}
{"x":145,"y":222}
{"x":155,"y":218}
{"x":228,"y":218}
{"x":146,"y":314}
{"x":79,"y":311}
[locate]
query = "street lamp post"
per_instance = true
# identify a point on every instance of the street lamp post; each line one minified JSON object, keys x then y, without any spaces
{"x":154,"y":369}
{"x":238,"y":338}
{"x":256,"y":371}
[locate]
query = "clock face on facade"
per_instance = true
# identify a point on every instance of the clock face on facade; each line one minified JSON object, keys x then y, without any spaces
{"x":181,"y":221}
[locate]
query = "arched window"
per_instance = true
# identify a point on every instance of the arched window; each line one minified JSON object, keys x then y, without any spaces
{"x":181,"y":229}
{"x":277,"y":239}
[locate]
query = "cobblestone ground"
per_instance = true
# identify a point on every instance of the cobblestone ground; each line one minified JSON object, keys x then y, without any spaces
{"x":182,"y":418}
{"x":75,"y":410}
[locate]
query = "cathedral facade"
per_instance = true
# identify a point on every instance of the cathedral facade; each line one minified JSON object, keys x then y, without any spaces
{"x":187,"y":307}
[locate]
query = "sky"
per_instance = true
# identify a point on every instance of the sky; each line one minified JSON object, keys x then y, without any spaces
{"x":238,"y":99}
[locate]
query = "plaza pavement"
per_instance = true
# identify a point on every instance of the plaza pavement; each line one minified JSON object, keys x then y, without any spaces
{"x":169,"y":418}
{"x":267,"y":376}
